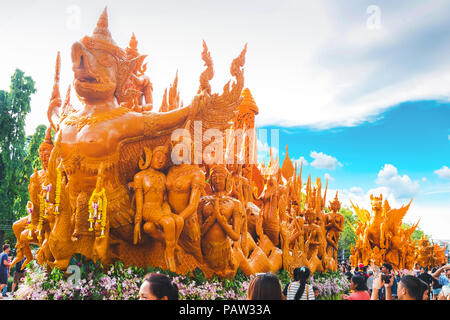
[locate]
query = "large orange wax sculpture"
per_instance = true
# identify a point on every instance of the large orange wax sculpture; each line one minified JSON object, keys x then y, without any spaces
{"x":429,"y":254}
{"x":114,"y":185}
{"x":381,"y":237}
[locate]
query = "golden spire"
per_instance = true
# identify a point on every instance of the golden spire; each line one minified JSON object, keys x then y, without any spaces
{"x":48,"y":136}
{"x":131,"y":50}
{"x":308,"y":191}
{"x":172,"y":101}
{"x":101,"y":31}
{"x":174,"y":94}
{"x":287,"y":169}
{"x":164,"y":106}
{"x":55,"y":99}
{"x":324,"y":202}
{"x":248,"y":103}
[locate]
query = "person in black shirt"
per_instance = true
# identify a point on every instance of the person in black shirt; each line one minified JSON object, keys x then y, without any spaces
{"x":426,"y":277}
{"x":348,"y":273}
{"x":18,"y":275}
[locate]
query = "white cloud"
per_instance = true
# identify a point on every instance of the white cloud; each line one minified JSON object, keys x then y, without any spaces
{"x":338,"y":72}
{"x":434,"y":220}
{"x":300,"y":161}
{"x":443,"y":172}
{"x":324,"y":161}
{"x":328,"y":177}
{"x":400,"y":186}
{"x":424,"y":179}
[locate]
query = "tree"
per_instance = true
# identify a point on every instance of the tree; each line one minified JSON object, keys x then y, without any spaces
{"x":32,"y":160}
{"x":14,"y":106}
{"x":348,"y":236}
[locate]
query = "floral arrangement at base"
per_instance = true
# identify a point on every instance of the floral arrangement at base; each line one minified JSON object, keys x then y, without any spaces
{"x":331,"y":285}
{"x":121,"y":283}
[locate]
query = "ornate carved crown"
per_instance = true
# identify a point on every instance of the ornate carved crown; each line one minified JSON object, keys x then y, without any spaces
{"x":101,"y":38}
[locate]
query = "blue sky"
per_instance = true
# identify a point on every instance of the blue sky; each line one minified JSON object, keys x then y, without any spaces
{"x":359,"y":88}
{"x":413,"y":136}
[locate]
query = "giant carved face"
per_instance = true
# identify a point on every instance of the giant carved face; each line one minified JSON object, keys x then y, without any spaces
{"x":95,"y":72}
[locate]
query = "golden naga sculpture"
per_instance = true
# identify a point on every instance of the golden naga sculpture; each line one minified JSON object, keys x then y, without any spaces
{"x":118,"y":183}
{"x":381,"y":237}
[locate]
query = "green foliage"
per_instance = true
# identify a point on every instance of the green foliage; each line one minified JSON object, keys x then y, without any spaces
{"x":32,"y":160}
{"x":348,"y":236}
{"x":14,"y":106}
{"x":284,"y":277}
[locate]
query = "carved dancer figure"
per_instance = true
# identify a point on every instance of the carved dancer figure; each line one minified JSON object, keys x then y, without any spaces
{"x":334,"y":224}
{"x":312,"y":244}
{"x":220,"y":222}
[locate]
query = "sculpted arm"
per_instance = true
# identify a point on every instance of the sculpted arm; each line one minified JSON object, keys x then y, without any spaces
{"x":205,"y":225}
{"x":139,"y":207}
{"x":151,"y":124}
{"x":154,"y":123}
{"x":233,"y":233}
{"x":196,"y":192}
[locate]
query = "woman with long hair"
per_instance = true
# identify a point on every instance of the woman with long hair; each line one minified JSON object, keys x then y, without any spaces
{"x":265,"y":286}
{"x":299,"y":288}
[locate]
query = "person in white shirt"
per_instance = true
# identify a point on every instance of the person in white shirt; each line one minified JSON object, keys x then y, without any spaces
{"x":299,"y":288}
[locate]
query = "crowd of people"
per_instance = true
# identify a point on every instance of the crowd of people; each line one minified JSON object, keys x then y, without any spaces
{"x":385,"y":283}
{"x":366,"y":283}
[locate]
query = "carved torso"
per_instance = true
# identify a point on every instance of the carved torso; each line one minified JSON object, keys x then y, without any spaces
{"x":180,"y":182}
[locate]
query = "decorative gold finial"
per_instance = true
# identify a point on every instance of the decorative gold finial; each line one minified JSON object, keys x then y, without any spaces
{"x":101,"y":31}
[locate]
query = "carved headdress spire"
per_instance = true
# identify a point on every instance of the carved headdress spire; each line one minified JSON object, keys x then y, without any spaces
{"x":101,"y":31}
{"x":101,"y":38}
{"x":131,"y":50}
{"x":48,"y":137}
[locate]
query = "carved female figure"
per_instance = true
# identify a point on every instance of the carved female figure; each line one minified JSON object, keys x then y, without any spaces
{"x":185,"y":183}
{"x":334,"y":224}
{"x":152,"y":207}
{"x":220,"y":222}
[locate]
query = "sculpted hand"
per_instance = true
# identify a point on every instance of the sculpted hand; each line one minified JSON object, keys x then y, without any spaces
{"x":137,"y":233}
